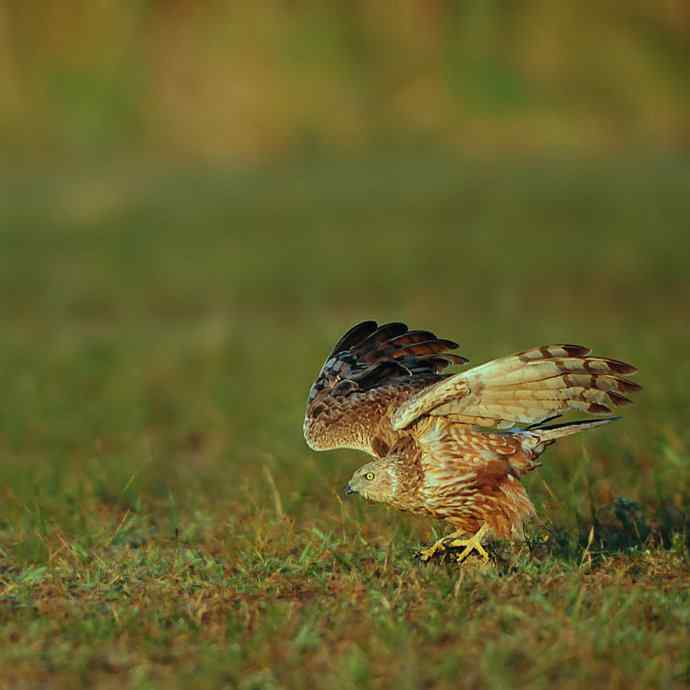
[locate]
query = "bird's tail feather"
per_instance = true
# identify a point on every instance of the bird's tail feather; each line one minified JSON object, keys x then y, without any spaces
{"x":548,"y":434}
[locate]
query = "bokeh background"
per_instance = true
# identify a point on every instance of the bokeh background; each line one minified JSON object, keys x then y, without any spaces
{"x":279,"y":79}
{"x":198,"y":198}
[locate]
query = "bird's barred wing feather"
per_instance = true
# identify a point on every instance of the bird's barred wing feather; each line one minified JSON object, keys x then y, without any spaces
{"x":369,"y":355}
{"x":524,"y":389}
{"x":370,"y":369}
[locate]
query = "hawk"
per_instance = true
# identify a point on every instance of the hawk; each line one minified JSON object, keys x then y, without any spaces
{"x":454,"y":446}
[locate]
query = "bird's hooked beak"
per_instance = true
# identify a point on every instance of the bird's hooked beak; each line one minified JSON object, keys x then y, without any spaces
{"x":348,"y":490}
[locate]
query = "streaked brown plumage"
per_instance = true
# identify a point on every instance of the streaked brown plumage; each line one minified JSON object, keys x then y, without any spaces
{"x":453,"y":446}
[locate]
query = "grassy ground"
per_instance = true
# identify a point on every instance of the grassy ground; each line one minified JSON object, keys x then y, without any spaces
{"x":163,"y":525}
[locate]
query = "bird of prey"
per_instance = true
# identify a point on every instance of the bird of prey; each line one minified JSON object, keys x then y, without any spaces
{"x":454,"y":446}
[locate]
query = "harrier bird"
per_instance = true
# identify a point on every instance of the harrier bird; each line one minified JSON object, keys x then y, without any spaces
{"x":453,"y":446}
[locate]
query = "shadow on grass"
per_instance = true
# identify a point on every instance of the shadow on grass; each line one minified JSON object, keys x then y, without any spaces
{"x":615,"y":528}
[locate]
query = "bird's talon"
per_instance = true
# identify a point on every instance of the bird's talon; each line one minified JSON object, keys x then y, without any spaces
{"x":474,"y":543}
{"x":470,"y":546}
{"x":437,"y":549}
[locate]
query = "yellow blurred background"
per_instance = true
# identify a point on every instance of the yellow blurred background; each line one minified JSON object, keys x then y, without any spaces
{"x":260,"y":81}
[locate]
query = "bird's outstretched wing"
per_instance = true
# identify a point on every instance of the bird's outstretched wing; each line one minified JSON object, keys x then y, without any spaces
{"x":524,"y":389}
{"x":369,"y":355}
{"x":370,"y":368}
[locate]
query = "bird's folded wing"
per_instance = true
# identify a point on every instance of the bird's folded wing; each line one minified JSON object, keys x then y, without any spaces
{"x":524,"y":389}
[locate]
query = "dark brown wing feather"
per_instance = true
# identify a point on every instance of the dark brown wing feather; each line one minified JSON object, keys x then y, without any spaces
{"x":355,"y":335}
{"x":368,"y":356}
{"x":371,"y":369}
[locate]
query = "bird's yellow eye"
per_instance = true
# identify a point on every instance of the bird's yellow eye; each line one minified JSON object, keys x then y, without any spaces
{"x":369,"y":476}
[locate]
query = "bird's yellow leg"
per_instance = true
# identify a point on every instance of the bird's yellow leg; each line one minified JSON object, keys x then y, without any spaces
{"x":438,"y":548}
{"x":474,"y":543}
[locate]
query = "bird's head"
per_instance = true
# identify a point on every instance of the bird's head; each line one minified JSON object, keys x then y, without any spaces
{"x":375,"y":481}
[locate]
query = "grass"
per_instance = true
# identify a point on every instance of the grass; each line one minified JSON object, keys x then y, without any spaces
{"x":163,"y":525}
